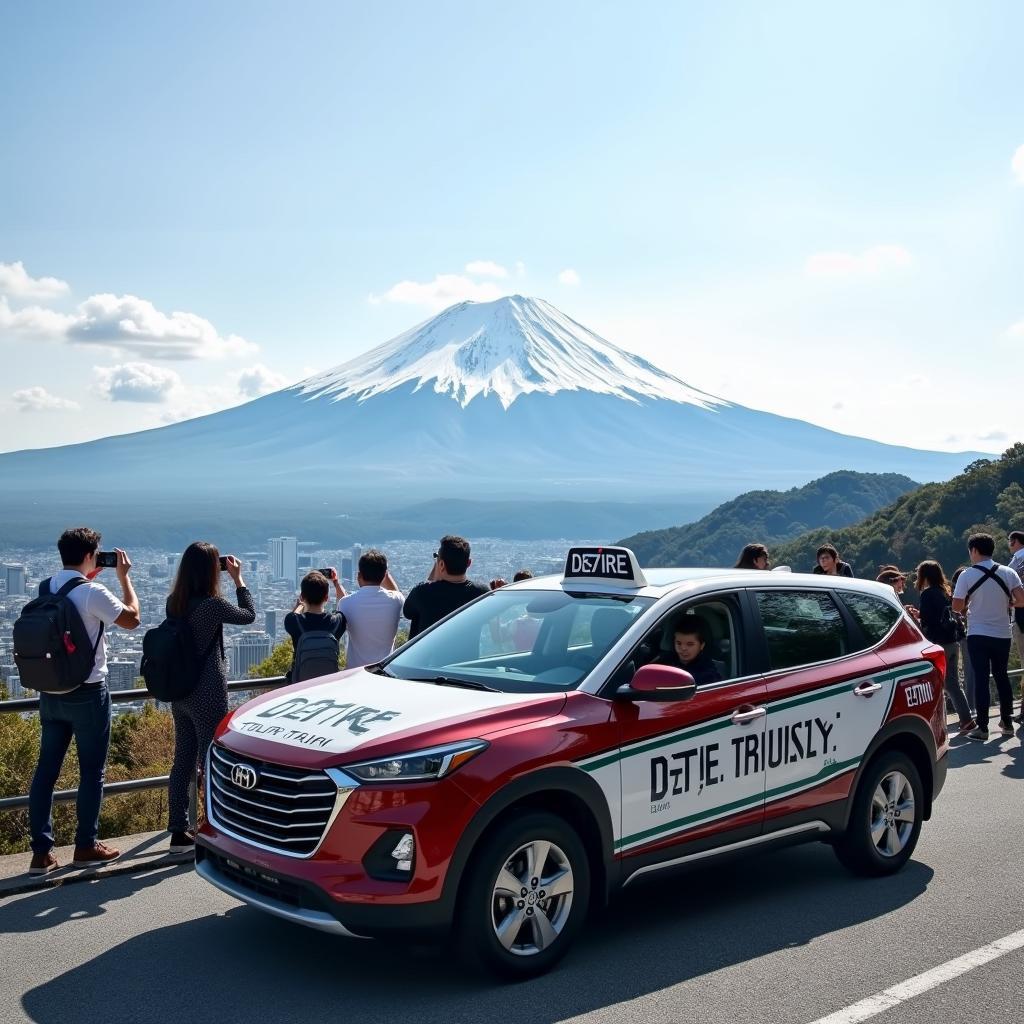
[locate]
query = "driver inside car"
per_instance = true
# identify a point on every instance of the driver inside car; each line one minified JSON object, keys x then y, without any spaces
{"x":689,"y":653}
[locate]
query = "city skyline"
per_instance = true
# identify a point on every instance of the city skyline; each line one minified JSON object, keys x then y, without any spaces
{"x":830,"y":205}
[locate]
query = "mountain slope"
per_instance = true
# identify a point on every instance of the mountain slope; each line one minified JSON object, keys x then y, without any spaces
{"x":931,"y":522}
{"x":505,"y":400}
{"x":833,"y":501}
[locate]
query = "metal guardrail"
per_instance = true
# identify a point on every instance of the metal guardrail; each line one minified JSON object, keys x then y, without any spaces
{"x":10,"y":707}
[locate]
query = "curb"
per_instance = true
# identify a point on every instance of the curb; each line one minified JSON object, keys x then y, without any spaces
{"x":16,"y":885}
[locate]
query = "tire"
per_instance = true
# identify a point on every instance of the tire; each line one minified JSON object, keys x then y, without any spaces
{"x":885,"y":821}
{"x":508,"y":922}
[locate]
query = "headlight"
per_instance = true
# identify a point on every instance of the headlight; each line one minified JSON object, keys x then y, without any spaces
{"x":433,"y":763}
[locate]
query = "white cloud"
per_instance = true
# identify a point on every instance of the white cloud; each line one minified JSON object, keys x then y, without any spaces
{"x":126,"y":324}
{"x":258,"y":380}
{"x":136,"y":326}
{"x":1017,"y":163}
{"x":33,"y":321}
{"x":38,"y":399}
{"x":569,"y":276}
{"x":520,"y":268}
{"x":1016,"y":330}
{"x":444,"y":290}
{"x":877,"y":259}
{"x":14,"y":280}
{"x":485,"y":268}
{"x":136,"y":382}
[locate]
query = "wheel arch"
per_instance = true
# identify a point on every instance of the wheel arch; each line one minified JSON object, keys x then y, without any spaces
{"x":566,"y":791}
{"x":910,"y":735}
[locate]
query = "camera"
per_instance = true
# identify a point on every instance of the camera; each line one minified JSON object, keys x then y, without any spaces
{"x":328,"y":572}
{"x":223,"y":563}
{"x":106,"y":559}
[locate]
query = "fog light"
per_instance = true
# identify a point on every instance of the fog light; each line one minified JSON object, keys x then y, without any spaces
{"x":404,"y":852}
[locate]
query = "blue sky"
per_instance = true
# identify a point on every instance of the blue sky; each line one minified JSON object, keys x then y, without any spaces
{"x":806,"y":209}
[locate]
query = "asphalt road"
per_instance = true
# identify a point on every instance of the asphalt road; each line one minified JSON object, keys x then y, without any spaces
{"x":787,"y":936}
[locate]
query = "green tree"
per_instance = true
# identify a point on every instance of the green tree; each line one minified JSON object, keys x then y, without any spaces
{"x":279,"y":661}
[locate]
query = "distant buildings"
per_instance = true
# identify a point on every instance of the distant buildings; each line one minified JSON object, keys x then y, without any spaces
{"x":248,"y":649}
{"x":270,"y":623}
{"x":15,"y":579}
{"x":121,"y":675}
{"x":283,"y":553}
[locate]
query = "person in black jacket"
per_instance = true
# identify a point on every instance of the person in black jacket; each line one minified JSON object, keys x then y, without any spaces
{"x":689,"y":643}
{"x":937,"y":627}
{"x":196,"y":595}
{"x":829,"y":563}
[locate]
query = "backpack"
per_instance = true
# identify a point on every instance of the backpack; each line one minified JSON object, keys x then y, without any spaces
{"x":171,"y":665}
{"x":951,"y":626}
{"x":51,"y":645}
{"x":316,"y":653}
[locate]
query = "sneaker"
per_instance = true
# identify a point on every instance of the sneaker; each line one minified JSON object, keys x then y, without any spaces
{"x":94,"y":856}
{"x":1006,"y":727}
{"x":182,"y":842}
{"x":978,"y":734}
{"x":966,"y":727}
{"x":43,"y":864}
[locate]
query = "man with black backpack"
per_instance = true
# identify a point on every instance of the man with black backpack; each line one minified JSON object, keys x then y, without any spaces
{"x":60,"y":649}
{"x":315,"y":633}
{"x":988,"y":591}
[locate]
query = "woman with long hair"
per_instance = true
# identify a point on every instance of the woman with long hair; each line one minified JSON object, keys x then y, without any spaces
{"x":753,"y":556}
{"x":936,"y":625}
{"x":196,"y":597}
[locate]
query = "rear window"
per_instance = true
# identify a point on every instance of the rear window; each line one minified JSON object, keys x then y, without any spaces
{"x":875,"y":616}
{"x":801,"y":627}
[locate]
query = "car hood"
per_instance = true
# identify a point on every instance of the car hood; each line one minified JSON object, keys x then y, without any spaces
{"x":359,"y":712}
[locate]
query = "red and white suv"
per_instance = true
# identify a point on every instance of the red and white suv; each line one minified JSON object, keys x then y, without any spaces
{"x":519,"y":762}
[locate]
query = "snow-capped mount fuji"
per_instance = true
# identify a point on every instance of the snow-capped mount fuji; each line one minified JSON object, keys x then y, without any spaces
{"x":508,"y":348}
{"x":504,"y":400}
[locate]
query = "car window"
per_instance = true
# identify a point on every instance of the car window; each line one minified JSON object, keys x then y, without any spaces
{"x":801,"y":627}
{"x":521,"y":641}
{"x":720,"y":619}
{"x":875,"y":616}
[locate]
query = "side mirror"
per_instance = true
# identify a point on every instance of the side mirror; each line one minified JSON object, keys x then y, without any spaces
{"x":658,"y":682}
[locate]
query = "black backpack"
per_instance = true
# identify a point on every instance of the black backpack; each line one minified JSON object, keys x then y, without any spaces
{"x":51,"y":646}
{"x":316,"y":653}
{"x":171,"y":664}
{"x":951,"y":626}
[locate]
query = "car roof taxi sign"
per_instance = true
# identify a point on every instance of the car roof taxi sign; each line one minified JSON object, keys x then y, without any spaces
{"x":603,"y":565}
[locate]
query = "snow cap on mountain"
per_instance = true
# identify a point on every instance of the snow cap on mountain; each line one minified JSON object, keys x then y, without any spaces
{"x":510,"y":347}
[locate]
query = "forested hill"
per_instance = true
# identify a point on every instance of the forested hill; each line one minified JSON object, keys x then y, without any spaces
{"x":834,"y":501}
{"x":932,"y":522}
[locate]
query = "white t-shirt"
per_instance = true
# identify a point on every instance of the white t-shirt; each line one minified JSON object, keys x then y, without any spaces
{"x":97,"y":606}
{"x":988,"y":609}
{"x":371,"y":617}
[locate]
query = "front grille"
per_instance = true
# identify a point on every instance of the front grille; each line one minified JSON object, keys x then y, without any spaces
{"x":287,"y":811}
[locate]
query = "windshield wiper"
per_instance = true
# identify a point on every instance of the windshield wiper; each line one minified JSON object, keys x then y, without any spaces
{"x":380,"y":670}
{"x":466,"y":684}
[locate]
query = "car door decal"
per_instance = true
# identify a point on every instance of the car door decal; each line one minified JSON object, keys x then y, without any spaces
{"x":708,"y":774}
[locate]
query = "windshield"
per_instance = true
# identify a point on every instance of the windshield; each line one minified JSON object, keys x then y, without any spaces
{"x":521,"y":641}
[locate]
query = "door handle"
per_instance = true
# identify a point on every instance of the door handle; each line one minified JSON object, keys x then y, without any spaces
{"x":867,"y":689}
{"x":747,"y":714}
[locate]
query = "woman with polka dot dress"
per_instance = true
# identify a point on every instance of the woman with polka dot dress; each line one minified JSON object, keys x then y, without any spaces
{"x":196,"y":596}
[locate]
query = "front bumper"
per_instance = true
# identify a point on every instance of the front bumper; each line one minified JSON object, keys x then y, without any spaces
{"x":301,"y":902}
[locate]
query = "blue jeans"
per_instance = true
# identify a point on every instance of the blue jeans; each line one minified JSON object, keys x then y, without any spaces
{"x":84,"y":714}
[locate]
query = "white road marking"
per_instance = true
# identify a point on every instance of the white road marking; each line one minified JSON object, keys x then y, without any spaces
{"x":921,"y":983}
